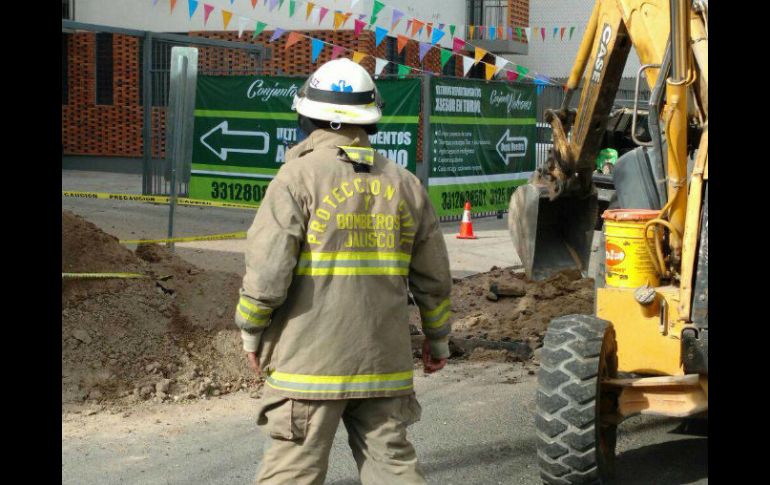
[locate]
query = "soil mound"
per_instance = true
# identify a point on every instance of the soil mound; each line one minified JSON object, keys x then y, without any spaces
{"x":169,"y":336}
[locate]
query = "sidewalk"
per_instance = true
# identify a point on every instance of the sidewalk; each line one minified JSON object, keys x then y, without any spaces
{"x":135,"y":220}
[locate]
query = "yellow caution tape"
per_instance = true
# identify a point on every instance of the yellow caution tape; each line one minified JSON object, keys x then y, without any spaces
{"x":158,"y":199}
{"x":212,"y":237}
{"x":103,"y":275}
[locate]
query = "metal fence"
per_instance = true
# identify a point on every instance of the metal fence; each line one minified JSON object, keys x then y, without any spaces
{"x":143,"y":68}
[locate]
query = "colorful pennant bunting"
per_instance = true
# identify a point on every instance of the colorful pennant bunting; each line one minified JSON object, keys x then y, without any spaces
{"x":292,"y":6}
{"x":379,"y":65}
{"x":489,"y":71}
{"x":337,"y":51}
{"x":562,"y":32}
{"x":242,"y":22}
{"x":408,"y":25}
{"x":555,"y":31}
{"x":206,"y":12}
{"x":309,"y":9}
{"x":479,"y":54}
{"x":324,"y":11}
{"x":403,"y":71}
{"x":492,"y":33}
{"x":402,"y":40}
{"x":376,"y":8}
{"x":528,"y":32}
{"x":273,"y":4}
{"x":458,"y":45}
{"x":467,"y":64}
{"x":358,"y":27}
{"x":173,"y":4}
{"x":338,"y":18}
{"x":571,"y":31}
{"x":397,"y":14}
{"x":259,"y":28}
{"x":446,"y":54}
{"x":424,"y":48}
{"x":452,"y":30}
{"x":226,"y":16}
{"x":437,"y":35}
{"x":379,"y":33}
{"x":276,"y":34}
{"x":512,"y":75}
{"x":542,"y":33}
{"x":317,"y":47}
{"x":416,"y":26}
{"x":358,"y":56}
{"x":292,"y":39}
{"x":191,"y":6}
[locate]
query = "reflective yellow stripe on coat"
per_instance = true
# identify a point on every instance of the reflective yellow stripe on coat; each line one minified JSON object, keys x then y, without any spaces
{"x":347,"y":263}
{"x":252,"y":314}
{"x":314,"y":385}
{"x":434,"y":321}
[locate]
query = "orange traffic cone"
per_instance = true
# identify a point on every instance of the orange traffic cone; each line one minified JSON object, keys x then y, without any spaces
{"x":466,"y":227}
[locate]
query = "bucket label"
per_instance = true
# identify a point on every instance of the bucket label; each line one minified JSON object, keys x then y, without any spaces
{"x":614,"y":254}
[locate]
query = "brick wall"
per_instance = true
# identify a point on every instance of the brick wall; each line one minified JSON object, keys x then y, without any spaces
{"x":518,"y":16}
{"x":116,"y":130}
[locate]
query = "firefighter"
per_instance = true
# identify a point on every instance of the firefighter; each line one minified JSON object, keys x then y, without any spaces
{"x":341,"y":238}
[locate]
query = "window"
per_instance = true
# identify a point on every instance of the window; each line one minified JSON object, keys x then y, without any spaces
{"x":66,"y":11}
{"x":487,"y":12}
{"x":64,"y":63}
{"x":104,"y":94}
{"x":160,"y":72}
{"x":391,"y":54}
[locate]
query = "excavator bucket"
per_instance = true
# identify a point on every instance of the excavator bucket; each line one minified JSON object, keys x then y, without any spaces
{"x":551,"y":235}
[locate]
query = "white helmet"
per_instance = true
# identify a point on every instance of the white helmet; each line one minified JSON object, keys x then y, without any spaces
{"x":340,"y":91}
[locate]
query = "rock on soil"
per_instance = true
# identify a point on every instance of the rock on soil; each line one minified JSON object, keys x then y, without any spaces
{"x":170,"y":335}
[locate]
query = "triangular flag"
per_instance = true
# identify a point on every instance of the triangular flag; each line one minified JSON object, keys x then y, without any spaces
{"x":528,"y":32}
{"x":318,"y":46}
{"x":206,"y":12}
{"x":358,"y":27}
{"x":430,"y":28}
{"x":458,"y":45}
{"x":471,"y":28}
{"x":277,"y":33}
{"x":480,"y":53}
{"x":292,"y":39}
{"x":403,"y":70}
{"x":416,"y":26}
{"x":191,"y":6}
{"x":253,"y":3}
{"x":522,"y":70}
{"x":467,"y":64}
{"x":500,"y":62}
{"x":154,"y":2}
{"x":273,"y":4}
{"x":337,"y":51}
{"x":408,"y":25}
{"x":379,"y":65}
{"x":226,"y":16}
{"x":231,"y":2}
{"x":397,"y":14}
{"x":358,"y":56}
{"x":441,"y":26}
{"x":452,"y":30}
{"x":510,"y":33}
{"x":324,"y":11}
{"x":280,"y":4}
{"x":424,"y":48}
{"x":242,"y":22}
{"x":173,"y":4}
{"x":401,"y":42}
{"x":518,"y":32}
{"x":309,"y":9}
{"x":292,"y":6}
{"x":437,"y":35}
{"x":259,"y":28}
{"x":492,"y":33}
{"x":361,"y":16}
{"x":346,"y":17}
{"x":489,"y":71}
{"x":571,"y":31}
{"x":376,"y":8}
{"x":338,"y":18}
{"x":512,"y":75}
{"x":555,"y":31}
{"x":542,"y":33}
{"x":446,"y":54}
{"x":379,"y":34}
{"x":562,"y":32}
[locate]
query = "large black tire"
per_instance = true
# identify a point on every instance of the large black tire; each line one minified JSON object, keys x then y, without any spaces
{"x":572,"y":446}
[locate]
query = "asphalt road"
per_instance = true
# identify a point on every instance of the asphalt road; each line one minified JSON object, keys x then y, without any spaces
{"x":476,"y":428}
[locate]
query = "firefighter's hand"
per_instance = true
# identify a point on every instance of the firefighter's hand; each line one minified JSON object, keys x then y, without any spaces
{"x":430,"y":365}
{"x":254,"y":363}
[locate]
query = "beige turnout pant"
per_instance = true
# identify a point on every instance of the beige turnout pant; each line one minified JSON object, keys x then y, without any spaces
{"x":302,"y":433}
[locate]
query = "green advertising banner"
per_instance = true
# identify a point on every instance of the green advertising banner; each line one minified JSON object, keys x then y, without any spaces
{"x":483,"y":137}
{"x":244,"y":125}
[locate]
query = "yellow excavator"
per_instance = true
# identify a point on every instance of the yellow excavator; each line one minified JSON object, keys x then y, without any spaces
{"x":645,"y":349}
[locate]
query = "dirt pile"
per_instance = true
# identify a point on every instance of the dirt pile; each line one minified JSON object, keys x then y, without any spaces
{"x":166,"y":337}
{"x":501,"y":305}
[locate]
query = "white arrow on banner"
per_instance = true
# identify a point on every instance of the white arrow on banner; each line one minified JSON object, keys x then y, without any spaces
{"x":511,"y":146}
{"x":222,"y":152}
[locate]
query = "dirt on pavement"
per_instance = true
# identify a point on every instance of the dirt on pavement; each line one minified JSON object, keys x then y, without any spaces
{"x":170,"y":337}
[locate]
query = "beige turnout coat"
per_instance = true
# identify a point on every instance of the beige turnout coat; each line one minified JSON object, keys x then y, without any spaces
{"x":341,"y":234}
